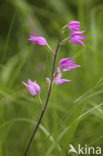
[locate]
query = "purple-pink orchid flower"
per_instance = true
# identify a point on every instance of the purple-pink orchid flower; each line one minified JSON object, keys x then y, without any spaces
{"x":33,"y":87}
{"x":57,"y":79}
{"x":66,"y":64}
{"x":76,"y":38}
{"x":38,"y":40}
{"x":73,"y":25}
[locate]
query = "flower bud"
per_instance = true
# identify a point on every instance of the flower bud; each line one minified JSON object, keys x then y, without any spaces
{"x":73,"y":25}
{"x":33,"y":87}
{"x":38,"y":40}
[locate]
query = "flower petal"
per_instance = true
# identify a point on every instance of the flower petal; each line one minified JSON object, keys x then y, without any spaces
{"x":77,"y":32}
{"x":76,"y":41}
{"x":72,"y":67}
{"x":80,"y":37}
{"x":63,"y":60}
{"x":61,"y":81}
{"x":58,"y":70}
{"x":32,"y":87}
{"x":47,"y":79}
{"x":73,"y":25}
{"x":58,"y":77}
{"x":38,"y":40}
{"x":67,"y":64}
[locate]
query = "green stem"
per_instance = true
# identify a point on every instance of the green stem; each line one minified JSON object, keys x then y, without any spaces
{"x":64,"y":41}
{"x":40,"y":101}
{"x":48,"y":46}
{"x":64,"y":28}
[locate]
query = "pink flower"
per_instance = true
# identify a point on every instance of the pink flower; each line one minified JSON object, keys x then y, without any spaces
{"x":66,"y":64}
{"x":33,"y":87}
{"x":76,"y":38}
{"x":73,"y":25}
{"x":47,"y":79}
{"x":38,"y":40}
{"x":57,"y":79}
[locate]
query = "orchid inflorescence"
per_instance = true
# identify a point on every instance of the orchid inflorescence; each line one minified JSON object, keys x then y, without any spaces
{"x":65,"y":64}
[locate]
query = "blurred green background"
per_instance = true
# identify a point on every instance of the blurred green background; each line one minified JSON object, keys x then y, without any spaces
{"x":75,"y":110}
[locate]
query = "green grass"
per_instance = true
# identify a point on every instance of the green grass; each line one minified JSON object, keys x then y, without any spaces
{"x":75,"y":110}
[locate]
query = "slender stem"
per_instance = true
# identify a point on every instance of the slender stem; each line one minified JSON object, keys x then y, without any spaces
{"x":40,"y":102}
{"x":48,"y":46}
{"x":64,"y":28}
{"x":64,"y":41}
{"x":47,"y":99}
